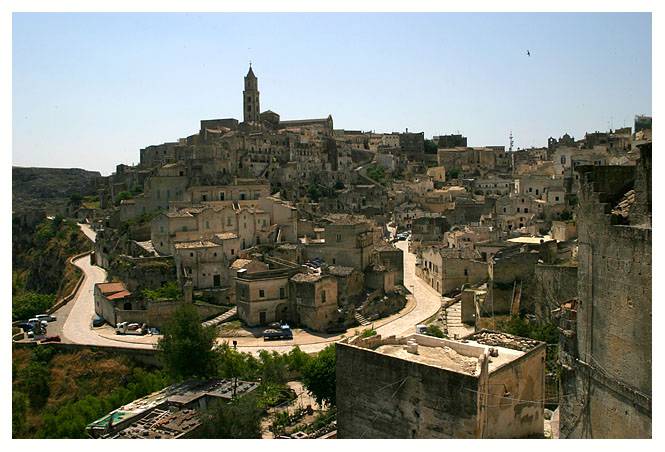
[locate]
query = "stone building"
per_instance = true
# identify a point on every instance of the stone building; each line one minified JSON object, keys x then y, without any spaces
{"x":314,"y":301}
{"x":109,"y":297}
{"x":491,"y":385}
{"x":474,"y":160}
{"x":451,"y":141}
{"x":605,"y":345}
{"x":250,"y":98}
{"x":429,"y":229}
{"x":251,"y":226}
{"x":348,"y":240}
{"x":448,"y":269}
{"x":412,"y":145}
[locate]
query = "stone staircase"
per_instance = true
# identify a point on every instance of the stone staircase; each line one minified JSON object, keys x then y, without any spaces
{"x":362,"y":320}
{"x":222,"y":317}
{"x":453,"y":321}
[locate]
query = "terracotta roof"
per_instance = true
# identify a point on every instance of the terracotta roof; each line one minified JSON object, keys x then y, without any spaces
{"x":119,"y":295}
{"x":111,"y":287}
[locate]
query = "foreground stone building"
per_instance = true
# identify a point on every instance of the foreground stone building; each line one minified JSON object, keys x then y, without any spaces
{"x":491,"y":385}
{"x":605,"y":350}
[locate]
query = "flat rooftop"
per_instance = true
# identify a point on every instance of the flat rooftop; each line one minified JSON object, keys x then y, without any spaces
{"x":459,"y":356}
{"x":530,"y":240}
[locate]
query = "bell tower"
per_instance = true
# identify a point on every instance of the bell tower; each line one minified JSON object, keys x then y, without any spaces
{"x":250,"y":97}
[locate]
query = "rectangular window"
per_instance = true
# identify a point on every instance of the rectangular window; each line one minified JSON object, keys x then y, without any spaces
{"x":282,"y":292}
{"x":323,"y":296}
{"x":262,"y":293}
{"x":339,"y":237}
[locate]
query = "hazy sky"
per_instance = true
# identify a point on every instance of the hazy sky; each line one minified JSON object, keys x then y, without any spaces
{"x":90,"y":90}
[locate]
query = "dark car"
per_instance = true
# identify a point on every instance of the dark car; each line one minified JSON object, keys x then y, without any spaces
{"x":47,"y":339}
{"x":281,"y":332}
{"x":98,"y":321}
{"x":25,"y":326}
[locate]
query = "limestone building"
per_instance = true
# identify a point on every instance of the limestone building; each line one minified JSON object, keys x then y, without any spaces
{"x":491,"y":385}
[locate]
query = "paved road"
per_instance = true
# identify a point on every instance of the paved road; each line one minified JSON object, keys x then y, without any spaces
{"x":87,"y":230}
{"x":428,"y":301}
{"x":424,"y":303}
{"x":76,"y":316}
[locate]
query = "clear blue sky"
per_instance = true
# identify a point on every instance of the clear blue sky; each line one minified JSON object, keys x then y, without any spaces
{"x":90,"y":90}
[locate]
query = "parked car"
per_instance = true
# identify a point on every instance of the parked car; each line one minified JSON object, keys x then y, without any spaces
{"x":97,"y":321}
{"x":36,"y":321}
{"x":26,"y":326}
{"x":48,"y":339}
{"x":282,"y":332}
{"x":47,"y":317}
{"x":131,"y":328}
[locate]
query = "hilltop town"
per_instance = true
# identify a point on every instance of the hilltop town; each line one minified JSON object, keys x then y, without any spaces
{"x":461,"y":292}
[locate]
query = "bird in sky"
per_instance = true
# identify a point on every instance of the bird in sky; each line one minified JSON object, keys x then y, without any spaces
{"x":528,"y":53}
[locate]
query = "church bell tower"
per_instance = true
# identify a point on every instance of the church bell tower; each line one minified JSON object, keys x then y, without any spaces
{"x":250,"y":97}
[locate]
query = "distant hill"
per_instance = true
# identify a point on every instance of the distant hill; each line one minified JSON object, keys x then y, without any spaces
{"x":48,"y":188}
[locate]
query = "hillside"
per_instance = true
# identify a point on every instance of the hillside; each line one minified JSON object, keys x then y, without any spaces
{"x":48,"y":188}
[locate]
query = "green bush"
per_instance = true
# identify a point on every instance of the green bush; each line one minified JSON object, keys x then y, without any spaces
{"x":434,"y":330}
{"x":369,"y":332}
{"x":170,"y":291}
{"x":28,"y":304}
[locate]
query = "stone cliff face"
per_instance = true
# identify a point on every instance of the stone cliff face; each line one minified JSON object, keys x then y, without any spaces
{"x":606,"y":354}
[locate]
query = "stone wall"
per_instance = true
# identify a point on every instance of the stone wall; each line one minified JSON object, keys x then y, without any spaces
{"x":607,"y":365}
{"x":380,"y":396}
{"x":551,"y":286}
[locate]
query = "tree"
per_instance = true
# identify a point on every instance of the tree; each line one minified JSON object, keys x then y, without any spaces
{"x":319,"y":376}
{"x":430,"y":147}
{"x":233,"y":364}
{"x":297,"y":359}
{"x":187,"y":345}
{"x":75,"y":199}
{"x":453,"y":173}
{"x":34,"y":379}
{"x":238,"y":419}
{"x":28,"y":304}
{"x":19,"y":412}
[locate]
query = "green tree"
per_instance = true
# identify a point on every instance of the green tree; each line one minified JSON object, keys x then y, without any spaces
{"x":75,"y":199}
{"x":319,"y":376}
{"x":34,"y":380}
{"x":28,"y":304}
{"x":238,"y":419}
{"x":453,"y":173}
{"x":19,"y":411}
{"x":234,"y":364}
{"x":297,"y":359}
{"x":273,"y":367}
{"x":430,"y":147}
{"x":187,"y":345}
{"x":122,"y":196}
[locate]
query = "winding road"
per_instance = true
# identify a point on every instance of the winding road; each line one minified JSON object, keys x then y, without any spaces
{"x":77,"y":314}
